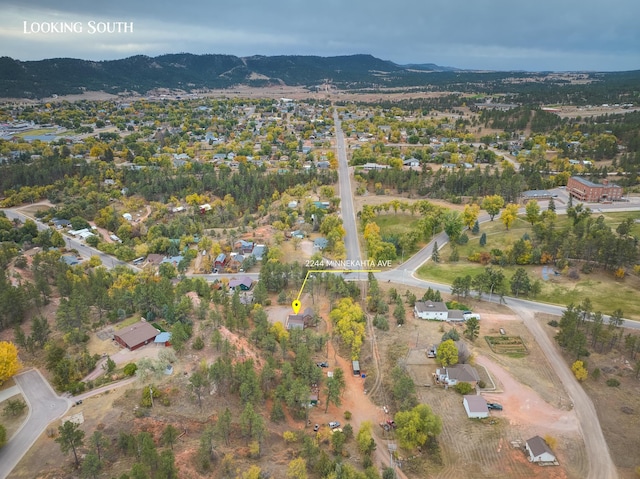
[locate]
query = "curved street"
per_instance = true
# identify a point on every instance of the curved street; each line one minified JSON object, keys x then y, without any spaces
{"x":45,"y":406}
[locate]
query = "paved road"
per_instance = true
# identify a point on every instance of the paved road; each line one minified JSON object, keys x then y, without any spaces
{"x":84,"y":250}
{"x":351,"y":242}
{"x":44,"y":406}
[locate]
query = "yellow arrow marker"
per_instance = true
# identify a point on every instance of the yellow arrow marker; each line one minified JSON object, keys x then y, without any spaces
{"x":296,"y":306}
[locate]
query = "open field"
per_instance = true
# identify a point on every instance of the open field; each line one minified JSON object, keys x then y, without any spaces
{"x":396,"y":224}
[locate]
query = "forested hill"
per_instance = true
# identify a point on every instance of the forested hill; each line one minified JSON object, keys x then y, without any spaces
{"x":186,"y":71}
{"x":63,"y":76}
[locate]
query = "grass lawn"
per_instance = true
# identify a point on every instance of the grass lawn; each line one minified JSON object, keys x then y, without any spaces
{"x":396,"y":224}
{"x":605,"y":291}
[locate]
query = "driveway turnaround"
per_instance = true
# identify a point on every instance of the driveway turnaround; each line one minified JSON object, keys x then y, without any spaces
{"x":44,"y":406}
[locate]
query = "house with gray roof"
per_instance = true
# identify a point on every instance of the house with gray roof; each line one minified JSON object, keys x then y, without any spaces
{"x":458,"y":373}
{"x":258,"y":251}
{"x":431,"y":310}
{"x":539,"y":450}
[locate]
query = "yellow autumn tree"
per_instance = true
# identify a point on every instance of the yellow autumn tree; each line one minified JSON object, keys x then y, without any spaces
{"x":579,"y":371}
{"x":252,"y":473}
{"x":279,"y":332}
{"x":349,"y":322}
{"x":470,"y":215}
{"x":509,"y":214}
{"x":9,"y":362}
{"x":297,"y":469}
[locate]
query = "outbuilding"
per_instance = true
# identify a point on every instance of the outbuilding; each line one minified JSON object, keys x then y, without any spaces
{"x":355,"y":366}
{"x":539,"y":450}
{"x":163,"y":339}
{"x":476,"y":406}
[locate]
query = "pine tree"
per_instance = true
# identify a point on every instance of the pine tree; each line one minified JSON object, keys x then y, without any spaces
{"x":435,"y":256}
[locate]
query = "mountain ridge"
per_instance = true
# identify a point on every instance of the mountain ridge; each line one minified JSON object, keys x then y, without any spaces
{"x":141,"y":73}
{"x":188,"y":72}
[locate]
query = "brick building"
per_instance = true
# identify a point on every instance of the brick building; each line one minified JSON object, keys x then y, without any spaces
{"x":588,"y":191}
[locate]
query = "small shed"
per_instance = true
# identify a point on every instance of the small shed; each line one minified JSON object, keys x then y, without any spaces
{"x":476,"y":406}
{"x":163,"y":339}
{"x":355,"y":366}
{"x":539,"y":450}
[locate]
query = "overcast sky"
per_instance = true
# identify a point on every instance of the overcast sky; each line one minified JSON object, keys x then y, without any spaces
{"x":557,"y":35}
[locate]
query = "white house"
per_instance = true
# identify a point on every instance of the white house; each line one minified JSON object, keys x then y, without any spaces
{"x":431,"y":310}
{"x":539,"y":450}
{"x":476,"y":406}
{"x":458,"y":373}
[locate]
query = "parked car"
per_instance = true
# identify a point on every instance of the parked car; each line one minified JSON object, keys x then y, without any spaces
{"x":323,"y":364}
{"x":316,"y":427}
{"x":494,"y":405}
{"x":334,"y":424}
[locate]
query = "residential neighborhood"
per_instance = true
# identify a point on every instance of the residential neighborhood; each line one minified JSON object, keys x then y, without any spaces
{"x":256,"y":280}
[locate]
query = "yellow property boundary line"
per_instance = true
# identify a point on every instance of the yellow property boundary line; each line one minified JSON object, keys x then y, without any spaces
{"x":296,"y":305}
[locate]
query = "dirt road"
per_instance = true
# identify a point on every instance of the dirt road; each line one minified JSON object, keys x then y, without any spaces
{"x":600,"y":463}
